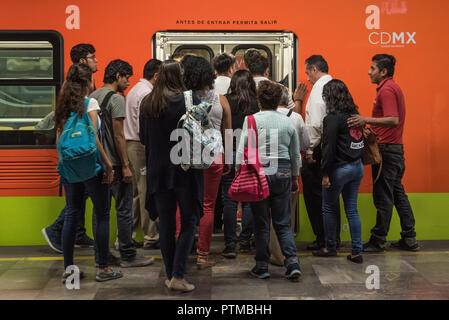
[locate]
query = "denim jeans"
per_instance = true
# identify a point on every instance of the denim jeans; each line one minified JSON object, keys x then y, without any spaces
{"x":344,"y":180}
{"x":123,"y":196}
{"x":230,"y":214}
{"x":279,"y":204}
{"x":313,"y":198}
{"x":175,"y":252}
{"x":75,"y":199}
{"x":56,"y":227}
{"x":388,"y":191}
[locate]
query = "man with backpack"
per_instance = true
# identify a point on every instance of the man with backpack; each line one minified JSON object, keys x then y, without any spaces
{"x":113,"y":113}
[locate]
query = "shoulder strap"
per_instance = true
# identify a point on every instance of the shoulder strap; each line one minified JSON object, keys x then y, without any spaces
{"x":290,"y":112}
{"x":188,"y":99}
{"x":86,"y":104}
{"x":106,"y":99}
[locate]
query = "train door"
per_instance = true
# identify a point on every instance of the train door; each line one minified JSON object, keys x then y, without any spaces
{"x":31,"y":73}
{"x":279,"y":47}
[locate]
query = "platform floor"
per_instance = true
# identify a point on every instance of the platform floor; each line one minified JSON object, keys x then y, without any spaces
{"x":34,"y":273}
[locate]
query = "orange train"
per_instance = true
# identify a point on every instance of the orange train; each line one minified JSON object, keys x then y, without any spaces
{"x":36,"y":37}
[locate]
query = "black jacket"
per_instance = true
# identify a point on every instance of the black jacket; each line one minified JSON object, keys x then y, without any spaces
{"x":340,"y":144}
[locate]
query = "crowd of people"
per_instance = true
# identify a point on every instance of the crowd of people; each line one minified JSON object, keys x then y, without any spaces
{"x":171,"y":204}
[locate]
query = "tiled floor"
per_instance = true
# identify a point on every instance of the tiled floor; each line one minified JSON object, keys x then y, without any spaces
{"x":35,"y":273}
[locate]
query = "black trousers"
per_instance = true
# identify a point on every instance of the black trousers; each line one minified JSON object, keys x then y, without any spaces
{"x":312,"y":190}
{"x":388,"y":191}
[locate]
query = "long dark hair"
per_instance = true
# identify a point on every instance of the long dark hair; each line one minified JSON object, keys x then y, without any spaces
{"x":71,"y":97}
{"x":243,"y":89}
{"x":337,"y":98}
{"x":168,"y":85}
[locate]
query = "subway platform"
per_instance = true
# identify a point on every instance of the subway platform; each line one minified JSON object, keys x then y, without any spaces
{"x":34,"y":273}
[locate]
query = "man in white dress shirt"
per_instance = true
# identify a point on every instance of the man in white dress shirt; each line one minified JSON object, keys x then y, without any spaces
{"x":136,"y":154}
{"x":224,"y":67}
{"x":317,"y":73}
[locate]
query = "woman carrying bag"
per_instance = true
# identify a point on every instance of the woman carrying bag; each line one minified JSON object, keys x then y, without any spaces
{"x":277,"y":144}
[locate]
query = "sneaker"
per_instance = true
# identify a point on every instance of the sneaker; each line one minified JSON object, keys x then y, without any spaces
{"x":293,"y":272}
{"x":84,"y":242}
{"x":106,"y":276}
{"x":51,"y":240}
{"x":152,"y":245}
{"x":137,"y":261}
{"x":65,"y":275}
{"x":180,"y":285}
{"x":403,"y":245}
{"x":372,"y":247}
{"x":204,"y":261}
{"x":244,"y":248}
{"x":260,"y":273}
{"x":229,"y":252}
{"x":167,"y":283}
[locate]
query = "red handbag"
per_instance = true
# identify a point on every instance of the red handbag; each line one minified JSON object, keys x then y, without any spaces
{"x":250,"y":183}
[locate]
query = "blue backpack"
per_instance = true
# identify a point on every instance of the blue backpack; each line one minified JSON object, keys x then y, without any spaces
{"x":79,"y":158}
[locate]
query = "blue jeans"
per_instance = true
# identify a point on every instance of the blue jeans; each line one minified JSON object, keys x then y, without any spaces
{"x":278,"y":203}
{"x":230,"y":214}
{"x":56,"y":227}
{"x":75,"y":199}
{"x":344,"y":180}
{"x":175,"y":252}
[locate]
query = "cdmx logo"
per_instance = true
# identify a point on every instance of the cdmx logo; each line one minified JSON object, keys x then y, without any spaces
{"x":384,"y":38}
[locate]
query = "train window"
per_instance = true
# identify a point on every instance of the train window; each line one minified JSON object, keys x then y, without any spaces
{"x":31,"y":73}
{"x":26,"y":60}
{"x":280,"y":47}
{"x":201,"y":51}
{"x":239,"y":52}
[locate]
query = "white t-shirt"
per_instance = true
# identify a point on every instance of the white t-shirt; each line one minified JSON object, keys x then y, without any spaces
{"x":94,"y":106}
{"x":222,"y":84}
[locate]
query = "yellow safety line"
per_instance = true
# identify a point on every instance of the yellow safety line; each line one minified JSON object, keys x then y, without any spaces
{"x":395,"y":253}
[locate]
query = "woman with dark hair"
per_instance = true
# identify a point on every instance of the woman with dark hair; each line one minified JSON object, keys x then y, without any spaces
{"x":167,"y":183}
{"x":199,"y":77}
{"x":242,"y":99}
{"x":342,"y":168}
{"x":278,"y":147}
{"x":73,"y":99}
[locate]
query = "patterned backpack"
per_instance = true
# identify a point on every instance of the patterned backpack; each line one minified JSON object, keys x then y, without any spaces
{"x":202,"y":137}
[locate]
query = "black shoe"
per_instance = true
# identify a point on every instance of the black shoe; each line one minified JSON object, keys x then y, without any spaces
{"x":322,"y":253}
{"x":84,"y":242}
{"x":357,"y":259}
{"x":152,"y":246}
{"x":402,"y":245}
{"x":315,"y":246}
{"x":259,"y":273}
{"x":372,"y":247}
{"x":137,"y":244}
{"x":293,"y":272}
{"x":244,"y":248}
{"x":112,"y":260}
{"x":229,"y":252}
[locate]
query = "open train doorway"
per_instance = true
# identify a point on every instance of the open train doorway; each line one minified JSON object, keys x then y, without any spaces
{"x":280,"y":47}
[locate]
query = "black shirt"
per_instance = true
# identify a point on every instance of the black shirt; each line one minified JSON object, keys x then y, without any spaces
{"x":162,"y":173}
{"x":341,"y":145}
{"x":238,"y":117}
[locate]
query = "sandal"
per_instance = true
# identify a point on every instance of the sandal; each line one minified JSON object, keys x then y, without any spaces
{"x":203,"y":262}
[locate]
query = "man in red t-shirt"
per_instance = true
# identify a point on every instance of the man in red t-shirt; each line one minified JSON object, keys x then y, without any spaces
{"x":387,"y":121}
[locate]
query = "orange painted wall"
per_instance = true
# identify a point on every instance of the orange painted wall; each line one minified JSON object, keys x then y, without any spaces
{"x":334,"y":28}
